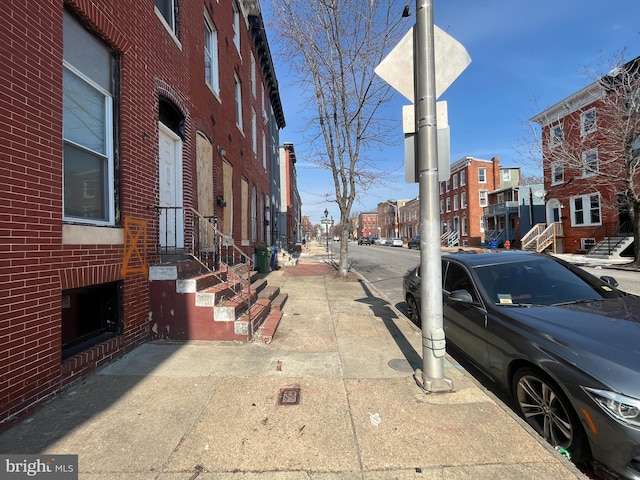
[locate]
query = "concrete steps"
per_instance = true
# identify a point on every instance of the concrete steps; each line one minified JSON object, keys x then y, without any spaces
{"x":187,"y":304}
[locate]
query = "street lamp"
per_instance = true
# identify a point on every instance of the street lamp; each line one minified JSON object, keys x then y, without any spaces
{"x":326,"y":226}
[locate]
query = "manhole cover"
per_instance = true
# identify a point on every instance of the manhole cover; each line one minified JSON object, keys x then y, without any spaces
{"x":289,"y":396}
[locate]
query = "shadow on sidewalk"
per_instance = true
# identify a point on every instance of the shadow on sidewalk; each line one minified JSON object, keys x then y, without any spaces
{"x":382,"y":310}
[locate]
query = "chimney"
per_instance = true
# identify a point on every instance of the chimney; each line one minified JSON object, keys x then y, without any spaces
{"x":497,"y":182}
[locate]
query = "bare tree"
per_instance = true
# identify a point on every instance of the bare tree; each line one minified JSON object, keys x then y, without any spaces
{"x":609,"y":160}
{"x":333,"y":47}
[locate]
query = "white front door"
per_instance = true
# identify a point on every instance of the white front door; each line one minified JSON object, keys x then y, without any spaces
{"x":170,"y":186}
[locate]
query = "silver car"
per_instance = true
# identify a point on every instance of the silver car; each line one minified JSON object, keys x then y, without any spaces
{"x":564,"y":344}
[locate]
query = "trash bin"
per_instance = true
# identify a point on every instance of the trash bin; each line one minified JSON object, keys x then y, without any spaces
{"x":493,"y":245}
{"x":274,"y":257}
{"x":263,"y":259}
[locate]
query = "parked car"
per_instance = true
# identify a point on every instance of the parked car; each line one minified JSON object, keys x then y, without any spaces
{"x":364,"y":241}
{"x":562,"y":342}
{"x":383,"y":241}
{"x":414,"y":243}
{"x":396,"y":242}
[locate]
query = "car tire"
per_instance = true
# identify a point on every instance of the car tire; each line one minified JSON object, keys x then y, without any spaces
{"x":413,"y":310}
{"x":544,"y":406}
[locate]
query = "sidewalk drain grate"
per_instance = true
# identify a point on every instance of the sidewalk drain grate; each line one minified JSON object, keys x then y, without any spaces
{"x":289,"y":396}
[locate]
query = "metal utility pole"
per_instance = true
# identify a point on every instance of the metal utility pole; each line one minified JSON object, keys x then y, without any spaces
{"x":431,"y":378}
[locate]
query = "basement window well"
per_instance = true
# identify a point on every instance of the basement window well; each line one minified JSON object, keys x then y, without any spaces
{"x":90,"y":315}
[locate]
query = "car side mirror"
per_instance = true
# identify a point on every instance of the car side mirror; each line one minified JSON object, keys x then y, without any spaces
{"x":461,"y":296}
{"x":610,"y":280}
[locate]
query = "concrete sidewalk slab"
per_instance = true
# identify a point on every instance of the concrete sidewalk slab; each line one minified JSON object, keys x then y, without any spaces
{"x":219,"y":410}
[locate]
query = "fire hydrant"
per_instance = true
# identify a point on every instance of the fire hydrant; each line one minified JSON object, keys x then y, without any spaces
{"x":507,"y":244}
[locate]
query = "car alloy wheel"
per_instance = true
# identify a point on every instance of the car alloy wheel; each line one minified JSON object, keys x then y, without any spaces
{"x":543,"y":406}
{"x":413,"y":310}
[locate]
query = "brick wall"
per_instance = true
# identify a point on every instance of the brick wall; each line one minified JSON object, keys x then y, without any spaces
{"x":37,"y":262}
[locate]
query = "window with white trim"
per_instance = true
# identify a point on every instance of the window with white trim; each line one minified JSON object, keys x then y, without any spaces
{"x":585,"y":210}
{"x":441,"y":188}
{"x":456,"y":205}
{"x":482,"y":175}
{"x":463,"y":200}
{"x":448,"y":204}
{"x":590,"y":163}
{"x":238,"y":97}
{"x":557,"y":172}
{"x":455,"y":180}
{"x":236,"y":26}
{"x":169,"y":9}
{"x":253,"y":76}
{"x":556,"y":136}
{"x":448,"y":185}
{"x":483,"y":197}
{"x":211,"y":67}
{"x":465,"y":230}
{"x":441,"y":206}
{"x":88,"y":130}
{"x":254,"y":131}
{"x":588,"y":122}
{"x":463,"y":178}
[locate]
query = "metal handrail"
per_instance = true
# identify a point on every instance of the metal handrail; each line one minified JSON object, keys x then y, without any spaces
{"x":203,"y":242}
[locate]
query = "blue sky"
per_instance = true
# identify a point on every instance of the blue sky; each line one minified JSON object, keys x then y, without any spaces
{"x":525,"y":56}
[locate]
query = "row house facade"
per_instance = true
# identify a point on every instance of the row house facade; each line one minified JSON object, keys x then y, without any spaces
{"x":410,"y":219}
{"x":588,"y":139}
{"x":118,"y":122}
{"x":463,"y":198}
{"x":389,"y":218}
{"x":367,"y":225}
{"x":287,"y":230}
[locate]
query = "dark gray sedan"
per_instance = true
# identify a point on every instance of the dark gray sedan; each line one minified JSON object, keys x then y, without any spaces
{"x":563,"y":343}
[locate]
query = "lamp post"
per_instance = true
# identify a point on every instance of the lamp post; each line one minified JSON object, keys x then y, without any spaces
{"x":326,"y":227}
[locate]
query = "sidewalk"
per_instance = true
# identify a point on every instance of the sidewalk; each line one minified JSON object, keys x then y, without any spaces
{"x":332,"y":397}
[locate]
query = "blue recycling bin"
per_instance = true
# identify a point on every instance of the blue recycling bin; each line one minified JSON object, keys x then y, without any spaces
{"x":493,"y":244}
{"x":274,"y":258}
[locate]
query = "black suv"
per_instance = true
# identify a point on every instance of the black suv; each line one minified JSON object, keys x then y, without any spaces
{"x":364,"y":241}
{"x":414,"y":243}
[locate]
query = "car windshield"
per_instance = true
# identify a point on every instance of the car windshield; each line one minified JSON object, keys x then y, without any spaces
{"x":537,"y":281}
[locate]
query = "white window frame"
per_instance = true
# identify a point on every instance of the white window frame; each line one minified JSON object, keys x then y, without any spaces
{"x":238,"y":99}
{"x":448,"y":204}
{"x":455,"y":181}
{"x":168,"y":17}
{"x":236,"y":26}
{"x":253,"y":75}
{"x":254,"y":131}
{"x":465,"y":230}
{"x":590,"y":163}
{"x":441,"y":206}
{"x":556,"y":136}
{"x":456,"y":205}
{"x":463,"y":200}
{"x":506,"y":175}
{"x":557,"y":172}
{"x":107,"y":156}
{"x":588,"y":122}
{"x":448,"y":185}
{"x":590,"y":205}
{"x":483,"y":197}
{"x":463,"y":178}
{"x":482,"y":174}
{"x":212,"y":79}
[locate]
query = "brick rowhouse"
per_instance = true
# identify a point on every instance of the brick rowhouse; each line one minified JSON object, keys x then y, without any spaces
{"x":68,"y":305}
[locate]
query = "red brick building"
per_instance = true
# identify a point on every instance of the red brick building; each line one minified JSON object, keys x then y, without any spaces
{"x":410,"y":219}
{"x":368,"y":225}
{"x":582,"y":138}
{"x":463,"y":197}
{"x":110,"y":110}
